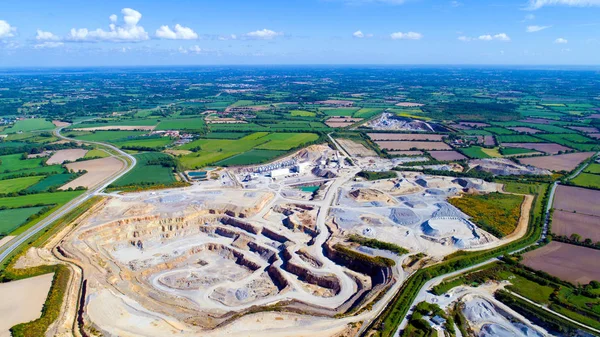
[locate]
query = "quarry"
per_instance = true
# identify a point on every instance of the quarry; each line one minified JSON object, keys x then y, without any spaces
{"x":264,"y":246}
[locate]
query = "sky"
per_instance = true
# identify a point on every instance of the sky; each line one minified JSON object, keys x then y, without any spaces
{"x":42,"y":33}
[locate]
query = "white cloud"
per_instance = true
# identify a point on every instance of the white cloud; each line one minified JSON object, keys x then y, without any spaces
{"x":560,"y":40}
{"x":455,"y":3}
{"x":537,"y":4}
{"x":179,"y":33}
{"x":265,"y":34}
{"x":6,"y":30}
{"x":46,"y":36}
{"x":464,"y":38}
{"x":406,"y":36}
{"x":535,"y":28}
{"x":358,"y":34}
{"x":193,"y":49}
{"x":499,"y":37}
{"x":48,"y":45}
{"x":529,"y":17}
{"x":129,"y":31}
{"x":227,"y":37}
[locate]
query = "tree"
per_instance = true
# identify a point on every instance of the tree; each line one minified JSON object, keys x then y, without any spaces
{"x":575,"y":237}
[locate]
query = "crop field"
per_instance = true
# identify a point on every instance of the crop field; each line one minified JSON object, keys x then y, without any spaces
{"x":410,"y":145}
{"x":496,"y":213}
{"x":518,"y":139}
{"x":251,"y":157}
{"x":446,"y":155}
{"x":513,"y":151}
{"x":40,"y":198}
{"x":577,"y":199}
{"x":182,"y":124}
{"x":587,"y":180}
{"x":593,"y":168}
{"x":287,"y":141}
{"x":549,"y":148}
{"x":302,"y":113}
{"x":17,"y":184}
{"x":524,"y":129}
{"x":567,"y":223}
{"x":474,"y":152}
{"x":225,"y":135}
{"x":209,"y":151}
{"x":107,"y":136}
{"x":152,"y":142}
{"x":96,"y":153}
{"x":51,"y":181}
{"x":367,"y":112}
{"x":500,"y":131}
{"x":31,"y":124}
{"x":405,"y":136}
{"x":575,"y":264}
{"x":13,"y":162}
{"x":51,"y":169}
{"x":11,"y":219}
{"x":148,"y":172}
{"x":108,"y":123}
{"x":575,"y":141}
{"x":561,"y":162}
{"x":340,"y":111}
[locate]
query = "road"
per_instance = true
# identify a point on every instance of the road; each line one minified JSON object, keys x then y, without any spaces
{"x":129,"y":161}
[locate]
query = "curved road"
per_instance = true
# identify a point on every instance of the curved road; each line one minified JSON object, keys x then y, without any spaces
{"x":129,"y":161}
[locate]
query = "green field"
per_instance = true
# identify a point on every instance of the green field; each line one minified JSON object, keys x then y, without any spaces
{"x":119,"y":122}
{"x":42,"y":169}
{"x":508,"y":151}
{"x":147,"y":172}
{"x":26,"y":125}
{"x":11,"y":219}
{"x":251,"y":157}
{"x":496,"y":213}
{"x":474,"y":152}
{"x":210,"y":151}
{"x":56,"y":180}
{"x":13,"y":162}
{"x":302,"y":113}
{"x":151,"y":142}
{"x":340,"y":111}
{"x":367,"y":112}
{"x":287,"y":141}
{"x":17,"y":184}
{"x":108,"y":136}
{"x":587,"y":180}
{"x":500,"y":131}
{"x":518,"y":139}
{"x":39,"y":199}
{"x":593,"y":168}
{"x":225,"y":135}
{"x":96,"y":153}
{"x":182,"y":124}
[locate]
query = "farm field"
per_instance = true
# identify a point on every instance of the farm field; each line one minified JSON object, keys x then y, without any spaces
{"x":410,"y":145}
{"x":524,"y":129}
{"x":567,"y":223}
{"x":106,"y":136}
{"x":577,"y":199}
{"x":61,"y":156}
{"x":587,"y":180}
{"x":355,"y":148}
{"x":210,"y":151}
{"x":96,"y":154}
{"x":11,"y":219}
{"x":251,"y":157}
{"x":513,"y":151}
{"x":561,"y":162}
{"x":150,"y":143}
{"x":17,"y":184}
{"x":31,"y":124}
{"x":496,"y":213}
{"x":568,"y":262}
{"x":549,"y":148}
{"x":592,"y":168}
{"x":51,"y":181}
{"x":97,"y":171}
{"x":148,"y":171}
{"x":405,"y":136}
{"x":518,"y":139}
{"x":182,"y":124}
{"x":474,"y":152}
{"x":446,"y":155}
{"x":117,"y":127}
{"x":13,"y":162}
{"x":40,"y":198}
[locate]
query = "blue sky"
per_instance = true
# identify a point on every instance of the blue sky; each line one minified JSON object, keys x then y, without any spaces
{"x":187,"y":32}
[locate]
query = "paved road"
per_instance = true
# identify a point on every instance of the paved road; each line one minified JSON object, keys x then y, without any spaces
{"x":68,"y":207}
